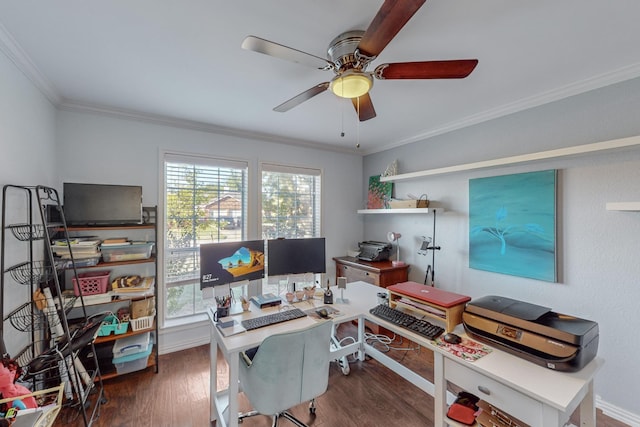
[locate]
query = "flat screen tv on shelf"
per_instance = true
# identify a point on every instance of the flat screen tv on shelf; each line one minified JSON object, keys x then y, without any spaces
{"x":102,"y":204}
{"x":228,"y":262}
{"x":296,"y":256}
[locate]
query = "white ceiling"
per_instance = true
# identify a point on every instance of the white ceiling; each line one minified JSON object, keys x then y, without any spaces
{"x":181,"y":61}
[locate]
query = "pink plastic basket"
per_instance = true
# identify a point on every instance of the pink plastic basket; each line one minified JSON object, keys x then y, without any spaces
{"x":92,"y":283}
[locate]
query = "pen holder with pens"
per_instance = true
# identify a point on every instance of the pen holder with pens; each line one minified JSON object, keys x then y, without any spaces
{"x":222,"y":308}
{"x":220,"y":313}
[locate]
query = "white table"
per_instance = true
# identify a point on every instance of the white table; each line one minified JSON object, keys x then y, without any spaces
{"x":532,"y":393}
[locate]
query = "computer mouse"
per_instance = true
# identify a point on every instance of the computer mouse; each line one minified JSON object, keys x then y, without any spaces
{"x":452,"y":338}
{"x":322,"y":312}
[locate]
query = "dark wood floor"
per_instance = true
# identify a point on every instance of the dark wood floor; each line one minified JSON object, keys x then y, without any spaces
{"x":178,"y":396}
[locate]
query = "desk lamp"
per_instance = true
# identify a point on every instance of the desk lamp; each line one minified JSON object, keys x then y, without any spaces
{"x":393,"y":236}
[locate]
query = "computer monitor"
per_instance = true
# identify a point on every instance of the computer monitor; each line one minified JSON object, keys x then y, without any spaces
{"x":101,"y":204}
{"x":228,"y":262}
{"x":296,"y":256}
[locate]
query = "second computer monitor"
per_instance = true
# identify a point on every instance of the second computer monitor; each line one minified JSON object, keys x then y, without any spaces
{"x":296,"y":256}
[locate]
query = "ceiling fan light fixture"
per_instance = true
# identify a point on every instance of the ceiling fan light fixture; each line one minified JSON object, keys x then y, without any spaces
{"x":351,"y":84}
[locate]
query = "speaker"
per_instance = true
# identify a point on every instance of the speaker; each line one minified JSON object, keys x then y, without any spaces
{"x":342,"y":285}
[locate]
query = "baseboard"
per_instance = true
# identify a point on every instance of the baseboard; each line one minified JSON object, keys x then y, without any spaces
{"x":618,"y":414}
{"x":183,"y":345}
{"x":182,"y":337}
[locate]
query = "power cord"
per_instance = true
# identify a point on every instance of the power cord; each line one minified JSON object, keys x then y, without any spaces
{"x":385,"y":342}
{"x":353,"y":356}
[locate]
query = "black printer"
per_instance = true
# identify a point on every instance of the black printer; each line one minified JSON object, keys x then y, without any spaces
{"x":556,"y":341}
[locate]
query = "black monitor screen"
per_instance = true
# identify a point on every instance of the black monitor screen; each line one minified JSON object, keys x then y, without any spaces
{"x":296,"y":256}
{"x":86,"y":204}
{"x":228,"y":262}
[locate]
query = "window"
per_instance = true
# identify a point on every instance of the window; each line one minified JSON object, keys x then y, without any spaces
{"x":290,"y":209}
{"x":290,"y":202}
{"x":205,"y":202}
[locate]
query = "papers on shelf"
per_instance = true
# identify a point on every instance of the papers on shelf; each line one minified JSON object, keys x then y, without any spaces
{"x":145,"y":285}
{"x":81,"y":247}
{"x":93,"y":299}
{"x":423,"y":307}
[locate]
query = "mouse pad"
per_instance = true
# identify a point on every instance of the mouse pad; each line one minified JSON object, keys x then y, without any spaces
{"x":332,"y":312}
{"x":467,"y":349}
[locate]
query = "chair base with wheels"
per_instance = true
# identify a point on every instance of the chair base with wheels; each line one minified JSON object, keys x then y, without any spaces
{"x":284,"y":414}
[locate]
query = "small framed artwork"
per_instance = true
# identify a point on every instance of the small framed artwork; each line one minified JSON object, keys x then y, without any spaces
{"x":512,"y":224}
{"x":379,"y":193}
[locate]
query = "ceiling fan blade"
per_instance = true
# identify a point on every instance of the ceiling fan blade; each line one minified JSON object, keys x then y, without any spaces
{"x":453,"y":69}
{"x":270,"y":48}
{"x":389,"y":20}
{"x":304,"y":96}
{"x":364,"y":107}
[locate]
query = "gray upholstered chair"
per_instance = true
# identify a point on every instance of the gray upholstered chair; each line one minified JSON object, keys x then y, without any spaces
{"x":287,"y":369}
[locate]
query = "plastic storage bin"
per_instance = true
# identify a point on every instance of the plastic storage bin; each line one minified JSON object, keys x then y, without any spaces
{"x":126,"y":252}
{"x":131,"y":345}
{"x":91,"y":283}
{"x":132,"y":362}
{"x":87,"y":262}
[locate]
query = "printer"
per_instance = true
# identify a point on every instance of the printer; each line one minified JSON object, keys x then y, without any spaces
{"x":556,"y":341}
{"x":374,"y":251}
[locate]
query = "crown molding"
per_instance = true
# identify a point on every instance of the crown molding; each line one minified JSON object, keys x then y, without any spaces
{"x":18,"y":56}
{"x":576,"y":88}
{"x":69,"y":105}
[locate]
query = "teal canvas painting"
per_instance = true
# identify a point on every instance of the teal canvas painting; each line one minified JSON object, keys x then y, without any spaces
{"x":512,"y":224}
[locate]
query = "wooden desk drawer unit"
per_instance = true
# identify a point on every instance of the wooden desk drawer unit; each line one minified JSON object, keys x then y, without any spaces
{"x":354,"y":274}
{"x":499,"y":395}
{"x":382,"y":273}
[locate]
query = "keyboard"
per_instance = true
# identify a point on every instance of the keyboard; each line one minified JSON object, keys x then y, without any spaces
{"x":272,"y":319}
{"x":407,"y":321}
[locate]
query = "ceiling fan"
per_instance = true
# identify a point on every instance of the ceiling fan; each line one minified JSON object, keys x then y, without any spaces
{"x":351,"y":52}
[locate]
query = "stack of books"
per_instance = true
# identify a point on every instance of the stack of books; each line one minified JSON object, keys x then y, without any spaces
{"x":81,"y":247}
{"x":116,"y":241}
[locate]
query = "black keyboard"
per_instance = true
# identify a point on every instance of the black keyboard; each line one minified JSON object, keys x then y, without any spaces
{"x":272,"y":319}
{"x":407,"y":321}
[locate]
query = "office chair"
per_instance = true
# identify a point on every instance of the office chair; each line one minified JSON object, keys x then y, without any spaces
{"x":287,"y":369}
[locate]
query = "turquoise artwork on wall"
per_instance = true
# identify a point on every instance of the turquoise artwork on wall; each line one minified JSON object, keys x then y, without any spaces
{"x":512,"y":224}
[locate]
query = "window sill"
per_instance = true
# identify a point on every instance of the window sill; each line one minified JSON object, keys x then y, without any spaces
{"x":185,"y":322}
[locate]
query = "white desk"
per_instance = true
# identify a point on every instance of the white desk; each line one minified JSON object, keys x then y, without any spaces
{"x":534,"y":394}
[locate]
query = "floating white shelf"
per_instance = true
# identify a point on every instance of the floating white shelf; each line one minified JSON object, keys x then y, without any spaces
{"x":400,"y":211}
{"x":524,"y":158}
{"x":623,"y":206}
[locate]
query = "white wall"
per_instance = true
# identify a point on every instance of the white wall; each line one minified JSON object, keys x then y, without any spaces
{"x":597,"y":249}
{"x":100,"y":149}
{"x":27,"y":139}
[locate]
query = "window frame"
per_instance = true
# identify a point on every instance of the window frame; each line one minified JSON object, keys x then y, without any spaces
{"x":290,"y":169}
{"x":168,"y":157}
{"x":276,"y":283}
